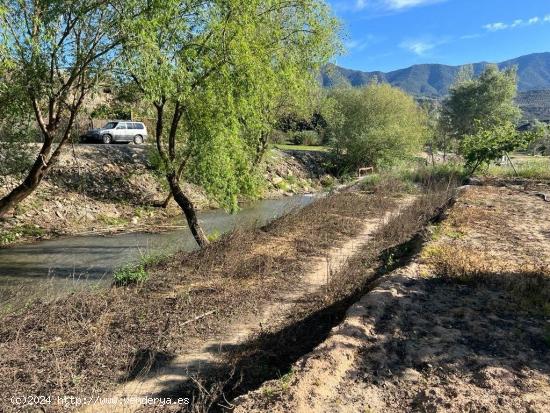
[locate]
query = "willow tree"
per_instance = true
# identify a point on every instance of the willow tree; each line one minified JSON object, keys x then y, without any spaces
{"x":58,"y":50}
{"x":214,"y":71}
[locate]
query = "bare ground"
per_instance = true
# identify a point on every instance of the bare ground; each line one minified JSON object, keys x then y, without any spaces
{"x":464,"y":328}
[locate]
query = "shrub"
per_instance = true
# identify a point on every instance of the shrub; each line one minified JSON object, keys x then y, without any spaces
{"x":306,"y":137}
{"x":374,"y":126}
{"x":278,"y":137}
{"x":130,"y":274}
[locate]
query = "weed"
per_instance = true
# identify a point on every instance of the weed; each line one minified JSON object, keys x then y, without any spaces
{"x":112,"y":221}
{"x":214,"y":236}
{"x":130,"y":274}
{"x":531,"y":169}
{"x":291,"y":179}
{"x":283,"y":186}
{"x":11,"y":235}
{"x":137,"y":273}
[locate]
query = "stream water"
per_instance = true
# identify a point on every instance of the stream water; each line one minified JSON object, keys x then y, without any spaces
{"x":73,"y":262}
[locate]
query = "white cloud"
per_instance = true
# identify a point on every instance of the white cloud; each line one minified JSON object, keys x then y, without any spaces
{"x":418,"y":47}
{"x":470,"y":36}
{"x":362,"y":43}
{"x":393,"y":5}
{"x":517,"y":23}
{"x":494,"y":27}
{"x":403,"y":4}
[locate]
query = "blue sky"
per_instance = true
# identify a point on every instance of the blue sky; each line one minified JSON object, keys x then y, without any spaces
{"x":393,"y":34}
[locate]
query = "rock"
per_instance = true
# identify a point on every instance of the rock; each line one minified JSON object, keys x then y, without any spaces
{"x":277,"y":180}
{"x":474,"y":181}
{"x":135,"y":220}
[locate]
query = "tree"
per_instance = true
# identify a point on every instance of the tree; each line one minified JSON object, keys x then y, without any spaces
{"x":476,"y":104}
{"x":60,"y":49}
{"x":215,"y":72}
{"x":15,"y":130}
{"x":375,"y":125}
{"x":491,"y":144}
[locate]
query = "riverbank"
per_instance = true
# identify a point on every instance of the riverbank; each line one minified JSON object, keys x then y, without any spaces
{"x":104,"y":338}
{"x":105,"y":189}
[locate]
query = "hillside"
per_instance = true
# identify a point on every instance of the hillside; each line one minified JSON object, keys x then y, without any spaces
{"x":535,"y":104}
{"x":435,"y":79}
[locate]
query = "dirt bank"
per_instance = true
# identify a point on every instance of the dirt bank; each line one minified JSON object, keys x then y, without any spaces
{"x":111,"y":188}
{"x":464,"y":327}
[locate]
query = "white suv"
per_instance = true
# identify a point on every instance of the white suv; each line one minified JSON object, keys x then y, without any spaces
{"x":118,"y":131}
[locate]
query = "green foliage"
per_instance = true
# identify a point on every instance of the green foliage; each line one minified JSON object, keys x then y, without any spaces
{"x":9,"y":236}
{"x":492,"y":144}
{"x":306,"y":137}
{"x":531,"y":169}
{"x":375,"y":125}
{"x":112,"y":221}
{"x":303,"y":148}
{"x":411,"y":176}
{"x":214,"y":235}
{"x":130,"y":274}
{"x":16,"y":132}
{"x":482,"y":103}
{"x":137,"y":273}
{"x":221,"y":71}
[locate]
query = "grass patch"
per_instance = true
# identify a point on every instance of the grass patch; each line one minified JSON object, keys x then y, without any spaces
{"x":11,"y":235}
{"x":528,"y":284}
{"x":112,"y":221}
{"x":409,"y":177}
{"x":535,"y":168}
{"x":131,"y":274}
{"x":214,"y":236}
{"x":287,"y":147}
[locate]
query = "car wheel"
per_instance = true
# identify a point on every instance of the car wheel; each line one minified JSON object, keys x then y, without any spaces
{"x":138,"y":139}
{"x":107,"y":139}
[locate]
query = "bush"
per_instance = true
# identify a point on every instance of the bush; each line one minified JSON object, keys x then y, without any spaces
{"x":306,"y":137}
{"x":130,"y":274}
{"x":374,"y":126}
{"x":137,"y":273}
{"x":278,"y":137}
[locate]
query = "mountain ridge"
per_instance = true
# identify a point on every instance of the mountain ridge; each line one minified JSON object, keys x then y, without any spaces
{"x":434,"y":80}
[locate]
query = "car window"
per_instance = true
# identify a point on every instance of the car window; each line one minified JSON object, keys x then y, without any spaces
{"x":121,"y":126}
{"x":139,"y":126}
{"x":110,"y":125}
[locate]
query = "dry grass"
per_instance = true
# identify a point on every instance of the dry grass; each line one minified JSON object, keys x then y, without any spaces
{"x":496,"y":236}
{"x":270,"y":354}
{"x":86,"y":343}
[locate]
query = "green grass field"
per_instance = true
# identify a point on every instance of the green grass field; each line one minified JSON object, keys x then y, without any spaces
{"x":302,"y":148}
{"x":529,"y":167}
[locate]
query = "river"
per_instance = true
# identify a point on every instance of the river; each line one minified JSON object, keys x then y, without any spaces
{"x":63,"y":264}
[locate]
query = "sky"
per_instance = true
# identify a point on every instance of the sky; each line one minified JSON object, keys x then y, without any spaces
{"x":393,"y":34}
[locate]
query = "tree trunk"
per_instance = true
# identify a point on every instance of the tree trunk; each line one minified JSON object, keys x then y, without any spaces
{"x":164,"y":204}
{"x":23,"y":190}
{"x":188,"y":209}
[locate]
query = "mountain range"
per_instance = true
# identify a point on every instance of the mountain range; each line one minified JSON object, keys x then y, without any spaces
{"x":434,"y":80}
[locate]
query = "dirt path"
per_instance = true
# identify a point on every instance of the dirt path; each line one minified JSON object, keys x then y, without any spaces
{"x":208,"y":354}
{"x":458,"y":330}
